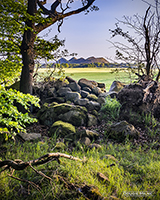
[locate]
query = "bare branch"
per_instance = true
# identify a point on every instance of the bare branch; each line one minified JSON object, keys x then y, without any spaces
{"x":55,"y":16}
{"x":20,"y":165}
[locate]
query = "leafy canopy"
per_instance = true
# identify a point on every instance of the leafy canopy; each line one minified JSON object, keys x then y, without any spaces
{"x":13,"y":15}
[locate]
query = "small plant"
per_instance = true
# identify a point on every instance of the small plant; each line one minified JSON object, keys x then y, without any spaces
{"x":11,"y":120}
{"x":111,"y":108}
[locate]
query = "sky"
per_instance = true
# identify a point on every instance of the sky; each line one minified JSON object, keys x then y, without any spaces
{"x":88,"y":35}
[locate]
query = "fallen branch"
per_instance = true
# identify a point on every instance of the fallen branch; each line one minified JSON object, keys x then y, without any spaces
{"x":20,"y":165}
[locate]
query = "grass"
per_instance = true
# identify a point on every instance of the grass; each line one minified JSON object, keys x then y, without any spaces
{"x":136,"y":172}
{"x":102,"y":75}
{"x":132,"y":170}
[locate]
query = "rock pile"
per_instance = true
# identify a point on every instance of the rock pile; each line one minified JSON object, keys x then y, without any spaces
{"x":70,"y":101}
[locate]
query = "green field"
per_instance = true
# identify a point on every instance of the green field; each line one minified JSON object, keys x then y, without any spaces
{"x":102,"y":75}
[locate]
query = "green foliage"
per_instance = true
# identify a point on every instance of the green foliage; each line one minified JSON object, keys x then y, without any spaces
{"x":11,"y":120}
{"x":111,"y":109}
{"x":13,"y":15}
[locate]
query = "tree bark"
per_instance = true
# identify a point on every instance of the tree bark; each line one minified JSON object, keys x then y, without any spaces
{"x":27,"y":50}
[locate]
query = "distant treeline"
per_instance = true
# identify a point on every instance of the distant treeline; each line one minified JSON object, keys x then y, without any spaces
{"x":90,"y":65}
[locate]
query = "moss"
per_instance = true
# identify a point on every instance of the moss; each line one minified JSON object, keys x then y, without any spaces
{"x":62,"y":108}
{"x":67,"y":126}
{"x":92,"y":97}
{"x":62,"y":128}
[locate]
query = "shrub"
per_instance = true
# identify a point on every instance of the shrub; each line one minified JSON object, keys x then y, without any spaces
{"x":13,"y":121}
{"x":111,"y":108}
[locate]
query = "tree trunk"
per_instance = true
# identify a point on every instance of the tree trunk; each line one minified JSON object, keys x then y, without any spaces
{"x":27,"y":51}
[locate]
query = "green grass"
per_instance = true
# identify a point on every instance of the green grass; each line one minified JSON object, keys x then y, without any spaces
{"x":102,"y":75}
{"x":136,"y":172}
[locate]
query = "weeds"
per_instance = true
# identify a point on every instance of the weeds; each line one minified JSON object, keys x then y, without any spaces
{"x":111,"y":109}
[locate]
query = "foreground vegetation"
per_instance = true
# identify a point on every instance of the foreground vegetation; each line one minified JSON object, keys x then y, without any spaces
{"x":112,"y":171}
{"x":135,"y":173}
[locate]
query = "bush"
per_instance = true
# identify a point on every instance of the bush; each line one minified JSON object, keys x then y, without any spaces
{"x":111,"y":108}
{"x":11,"y":120}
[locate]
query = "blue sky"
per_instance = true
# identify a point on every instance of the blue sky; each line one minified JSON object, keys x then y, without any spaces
{"x":87,"y":35}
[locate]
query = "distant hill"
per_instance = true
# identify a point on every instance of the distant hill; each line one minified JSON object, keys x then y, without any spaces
{"x":83,"y":61}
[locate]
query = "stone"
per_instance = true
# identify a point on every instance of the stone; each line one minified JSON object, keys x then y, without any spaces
{"x":85,"y":140}
{"x":92,"y":97}
{"x":101,"y":85}
{"x":63,"y":91}
{"x":92,"y":105}
{"x":87,"y":83}
{"x":87,"y":89}
{"x":70,"y":80}
{"x":92,"y":120}
{"x":75,"y":117}
{"x":97,"y":90}
{"x":61,"y":128}
{"x":74,"y":86}
{"x":60,"y":83}
{"x":131,"y":96}
{"x":94,"y":145}
{"x":116,"y":86}
{"x":72,"y":96}
{"x":101,"y":100}
{"x":91,"y":134}
{"x":30,"y":136}
{"x":123,"y":129}
{"x":104,"y":95}
{"x":81,"y":102}
{"x":84,"y":93}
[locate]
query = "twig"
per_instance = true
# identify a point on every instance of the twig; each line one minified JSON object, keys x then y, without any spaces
{"x":30,"y":182}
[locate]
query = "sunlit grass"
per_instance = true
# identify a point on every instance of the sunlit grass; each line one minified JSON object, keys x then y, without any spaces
{"x":135,"y":171}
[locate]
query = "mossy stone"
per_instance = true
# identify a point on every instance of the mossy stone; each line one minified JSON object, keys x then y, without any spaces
{"x":62,"y":128}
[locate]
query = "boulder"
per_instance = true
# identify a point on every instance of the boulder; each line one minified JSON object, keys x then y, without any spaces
{"x":85,"y":140}
{"x":101,"y":100}
{"x":81,"y":102}
{"x":102,"y":85}
{"x":97,"y":90}
{"x":87,"y":83}
{"x":63,"y":91}
{"x":75,"y":117}
{"x":87,"y":89}
{"x":92,"y":120}
{"x":116,"y":86}
{"x":72,"y":96}
{"x":74,"y":86}
{"x":84,"y":93}
{"x":121,"y":130}
{"x":61,"y":128}
{"x":60,"y":83}
{"x":92,"y":97}
{"x":92,"y":105}
{"x":29,"y":136}
{"x":131,"y":96}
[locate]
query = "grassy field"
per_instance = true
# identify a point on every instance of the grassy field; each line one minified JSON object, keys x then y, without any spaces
{"x":102,"y":75}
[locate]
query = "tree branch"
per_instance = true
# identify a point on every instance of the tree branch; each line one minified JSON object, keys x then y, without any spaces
{"x":56,"y":16}
{"x":20,"y":165}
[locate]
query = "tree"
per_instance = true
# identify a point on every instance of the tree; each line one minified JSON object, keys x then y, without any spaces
{"x":143,"y":48}
{"x":31,"y":17}
{"x":12,"y":25}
